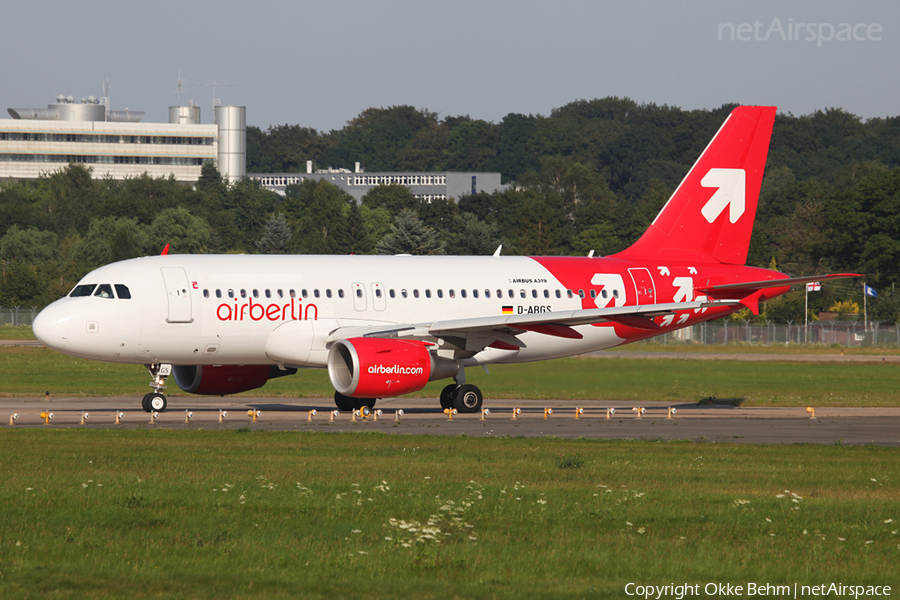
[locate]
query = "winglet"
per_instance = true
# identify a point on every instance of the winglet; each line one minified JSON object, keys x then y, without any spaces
{"x":165,"y":251}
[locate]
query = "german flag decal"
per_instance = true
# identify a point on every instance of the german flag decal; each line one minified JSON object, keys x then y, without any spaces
{"x":507,"y":310}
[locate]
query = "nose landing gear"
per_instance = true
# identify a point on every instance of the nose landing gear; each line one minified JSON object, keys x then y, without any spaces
{"x":155,"y":401}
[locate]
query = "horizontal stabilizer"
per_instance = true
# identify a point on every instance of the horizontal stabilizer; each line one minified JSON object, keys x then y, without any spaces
{"x":771,"y":283}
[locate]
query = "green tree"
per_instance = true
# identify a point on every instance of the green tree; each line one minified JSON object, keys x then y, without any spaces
{"x":277,"y":236}
{"x":185,"y":233}
{"x":71,"y":200}
{"x":29,"y":246}
{"x":393,"y":197}
{"x":316,"y":212}
{"x":472,"y":236}
{"x":409,"y":235}
{"x":109,"y":240}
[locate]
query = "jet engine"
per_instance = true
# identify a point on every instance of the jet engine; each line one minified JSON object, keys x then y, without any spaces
{"x":381,"y":368}
{"x":219,"y":380}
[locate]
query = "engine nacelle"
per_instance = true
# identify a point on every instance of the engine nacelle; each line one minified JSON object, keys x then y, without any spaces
{"x":382,"y":368}
{"x":219,"y":380}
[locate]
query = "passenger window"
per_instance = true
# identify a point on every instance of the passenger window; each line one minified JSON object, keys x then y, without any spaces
{"x":594,"y":294}
{"x":428,"y":293}
{"x":243,"y":293}
{"x":104,"y":290}
{"x":268,"y":293}
{"x":403,"y":293}
{"x":569,"y":293}
{"x":392,"y":294}
{"x":316,"y":293}
{"x":558,"y":294}
{"x":604,"y":293}
{"x":474,"y":293}
{"x":340,"y":293}
{"x":218,"y":293}
{"x":279,"y":293}
{"x":358,"y":293}
{"x":205,"y":292}
{"x":378,"y":292}
{"x":415,"y":293}
{"x":534,"y":293}
{"x":124,"y":293}
{"x":487,"y":293}
{"x":615,"y":293}
{"x":231,"y":293}
{"x":581,"y":293}
{"x":303,"y":294}
{"x":256,"y":293}
{"x":453,"y":294}
{"x":461,"y":293}
{"x":510,"y":293}
{"x":85,"y":289}
{"x":546,"y":293}
{"x":440,"y":293}
{"x":328,"y":293}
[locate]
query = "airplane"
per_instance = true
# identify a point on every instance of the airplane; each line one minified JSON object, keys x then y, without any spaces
{"x":384,"y":326}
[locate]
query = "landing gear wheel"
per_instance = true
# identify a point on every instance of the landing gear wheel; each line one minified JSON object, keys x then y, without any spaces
{"x":447,"y":395}
{"x":344,"y":403}
{"x":468,"y":399}
{"x":370,"y":402}
{"x":154,"y":402}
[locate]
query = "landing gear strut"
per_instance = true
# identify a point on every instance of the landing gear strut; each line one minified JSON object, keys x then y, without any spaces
{"x":155,"y":401}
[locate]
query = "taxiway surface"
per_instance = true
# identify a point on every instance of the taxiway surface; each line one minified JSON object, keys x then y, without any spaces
{"x":715,"y":423}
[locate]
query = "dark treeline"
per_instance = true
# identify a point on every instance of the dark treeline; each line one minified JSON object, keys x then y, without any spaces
{"x":591,"y":176}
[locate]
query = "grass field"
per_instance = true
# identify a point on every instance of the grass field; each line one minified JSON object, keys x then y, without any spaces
{"x":252,"y":514}
{"x":33,"y":371}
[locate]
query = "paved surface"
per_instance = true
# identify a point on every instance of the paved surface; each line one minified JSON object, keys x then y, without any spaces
{"x":879,"y":426}
{"x":748,"y":356}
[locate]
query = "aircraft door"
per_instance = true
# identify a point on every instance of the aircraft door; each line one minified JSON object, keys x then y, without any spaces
{"x":378,"y":301}
{"x":643,"y":285}
{"x":359,"y":296}
{"x":177,"y":295}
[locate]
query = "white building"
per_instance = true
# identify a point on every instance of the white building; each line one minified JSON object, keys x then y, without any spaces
{"x":426,"y":186}
{"x":116,"y":144}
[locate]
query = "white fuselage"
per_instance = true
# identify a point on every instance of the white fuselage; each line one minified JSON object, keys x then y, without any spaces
{"x":187,"y":309}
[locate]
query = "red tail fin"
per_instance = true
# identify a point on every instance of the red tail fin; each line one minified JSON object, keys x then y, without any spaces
{"x":710,"y":216}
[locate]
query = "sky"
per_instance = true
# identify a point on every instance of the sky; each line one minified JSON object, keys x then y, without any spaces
{"x":319,"y":64}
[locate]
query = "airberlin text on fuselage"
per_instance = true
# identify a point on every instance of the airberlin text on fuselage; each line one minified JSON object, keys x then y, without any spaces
{"x":254,"y":311}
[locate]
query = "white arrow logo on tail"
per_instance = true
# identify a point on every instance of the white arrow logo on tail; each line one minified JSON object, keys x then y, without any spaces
{"x":685,"y":287}
{"x":731,"y":184}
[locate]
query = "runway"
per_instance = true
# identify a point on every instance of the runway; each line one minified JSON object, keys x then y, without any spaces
{"x":713,"y":424}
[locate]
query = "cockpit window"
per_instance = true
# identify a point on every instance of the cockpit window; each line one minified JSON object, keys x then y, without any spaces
{"x":123,"y":292}
{"x":104,"y":290}
{"x":85,"y":289}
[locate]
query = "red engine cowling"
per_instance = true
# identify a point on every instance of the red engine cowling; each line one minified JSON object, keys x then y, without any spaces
{"x":381,"y":368}
{"x":220,"y":380}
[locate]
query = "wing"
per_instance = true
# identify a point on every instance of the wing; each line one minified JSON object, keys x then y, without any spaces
{"x":475,"y":334}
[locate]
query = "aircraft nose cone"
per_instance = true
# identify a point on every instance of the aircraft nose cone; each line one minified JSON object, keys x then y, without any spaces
{"x":49,"y":327}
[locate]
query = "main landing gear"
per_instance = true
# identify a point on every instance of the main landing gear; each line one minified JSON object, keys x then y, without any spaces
{"x":465,"y":398}
{"x":155,"y":401}
{"x":347,"y":403}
